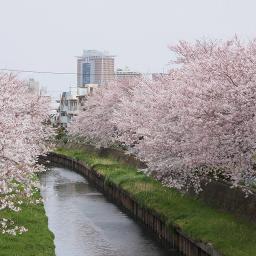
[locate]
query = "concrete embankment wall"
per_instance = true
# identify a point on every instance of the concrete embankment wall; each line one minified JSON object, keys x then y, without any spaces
{"x":169,"y":237}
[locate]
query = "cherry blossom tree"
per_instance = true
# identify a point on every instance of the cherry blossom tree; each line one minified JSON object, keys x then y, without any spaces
{"x":24,"y":135}
{"x":154,"y":110}
{"x":205,"y":122}
{"x":95,"y":121}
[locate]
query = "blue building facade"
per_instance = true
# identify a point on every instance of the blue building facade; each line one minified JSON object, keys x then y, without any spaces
{"x":86,"y":73}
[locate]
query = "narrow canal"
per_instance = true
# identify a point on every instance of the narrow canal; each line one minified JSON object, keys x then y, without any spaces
{"x":86,"y":224}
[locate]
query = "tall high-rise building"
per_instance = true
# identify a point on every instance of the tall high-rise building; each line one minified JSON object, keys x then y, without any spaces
{"x":95,"y":67}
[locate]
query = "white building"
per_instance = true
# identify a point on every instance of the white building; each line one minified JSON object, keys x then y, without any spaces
{"x":54,"y":112}
{"x":126,"y":73}
{"x":71,"y":102}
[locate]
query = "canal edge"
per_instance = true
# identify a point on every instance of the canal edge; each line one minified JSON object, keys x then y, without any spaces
{"x":170,"y":237}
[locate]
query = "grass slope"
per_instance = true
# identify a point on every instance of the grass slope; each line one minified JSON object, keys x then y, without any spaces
{"x":230,"y":236}
{"x":38,"y":241}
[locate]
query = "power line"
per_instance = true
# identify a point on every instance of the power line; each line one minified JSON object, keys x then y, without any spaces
{"x":38,"y":72}
{"x":73,"y":73}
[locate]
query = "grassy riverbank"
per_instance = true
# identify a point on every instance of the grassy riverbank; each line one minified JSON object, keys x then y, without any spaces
{"x":230,"y":236}
{"x":37,"y":241}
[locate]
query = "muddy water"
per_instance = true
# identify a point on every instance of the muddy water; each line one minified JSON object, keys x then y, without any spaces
{"x":86,"y":224}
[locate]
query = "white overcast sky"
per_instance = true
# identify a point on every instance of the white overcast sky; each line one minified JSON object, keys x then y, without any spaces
{"x":46,"y":35}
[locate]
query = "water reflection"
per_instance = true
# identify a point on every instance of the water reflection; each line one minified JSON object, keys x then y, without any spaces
{"x":85,"y":223}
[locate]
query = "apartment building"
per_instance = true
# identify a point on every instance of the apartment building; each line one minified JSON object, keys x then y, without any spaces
{"x":71,"y":102}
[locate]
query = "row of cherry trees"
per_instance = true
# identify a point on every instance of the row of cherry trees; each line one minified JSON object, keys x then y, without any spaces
{"x":194,"y":123}
{"x":24,"y":134}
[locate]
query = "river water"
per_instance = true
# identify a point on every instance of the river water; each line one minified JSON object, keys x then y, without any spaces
{"x":86,"y":224}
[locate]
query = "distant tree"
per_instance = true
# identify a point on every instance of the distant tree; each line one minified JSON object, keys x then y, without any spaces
{"x":61,"y":134}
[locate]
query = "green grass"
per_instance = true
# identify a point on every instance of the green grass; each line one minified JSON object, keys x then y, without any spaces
{"x":229,"y":235}
{"x":37,"y":241}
